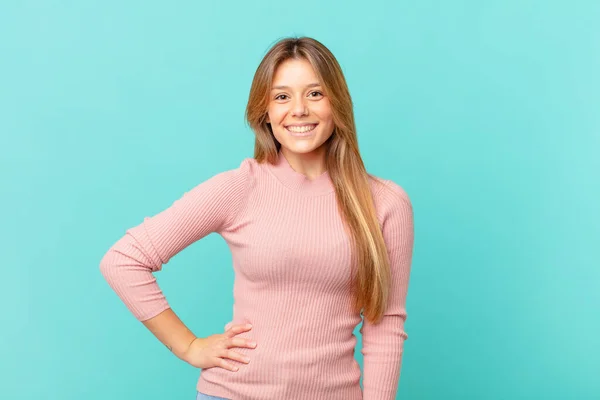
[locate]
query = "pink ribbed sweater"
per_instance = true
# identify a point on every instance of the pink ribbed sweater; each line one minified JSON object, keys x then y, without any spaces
{"x":291,"y":259}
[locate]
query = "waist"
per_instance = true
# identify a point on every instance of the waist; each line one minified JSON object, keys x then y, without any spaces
{"x":285,"y":378}
{"x":299,"y":355}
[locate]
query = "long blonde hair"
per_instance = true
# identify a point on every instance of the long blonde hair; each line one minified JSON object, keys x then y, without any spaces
{"x":371,"y":279}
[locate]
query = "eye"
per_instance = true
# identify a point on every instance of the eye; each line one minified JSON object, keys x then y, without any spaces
{"x":316,"y":91}
{"x":277,"y":97}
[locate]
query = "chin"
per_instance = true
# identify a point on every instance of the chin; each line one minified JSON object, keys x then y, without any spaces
{"x":300,"y":148}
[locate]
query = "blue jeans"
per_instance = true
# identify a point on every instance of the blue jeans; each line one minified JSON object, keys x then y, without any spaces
{"x":202,"y":396}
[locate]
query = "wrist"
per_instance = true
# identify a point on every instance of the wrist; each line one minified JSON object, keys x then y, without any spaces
{"x":183,"y":354}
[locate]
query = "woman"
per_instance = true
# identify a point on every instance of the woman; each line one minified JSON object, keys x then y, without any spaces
{"x":315,"y":241}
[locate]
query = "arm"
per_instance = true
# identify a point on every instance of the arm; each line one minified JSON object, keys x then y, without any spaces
{"x":128,"y":266}
{"x":171,"y":331}
{"x":383,"y":342}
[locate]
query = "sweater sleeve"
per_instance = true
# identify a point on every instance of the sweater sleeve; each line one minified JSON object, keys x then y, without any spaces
{"x":129,"y":264}
{"x":383,"y":342}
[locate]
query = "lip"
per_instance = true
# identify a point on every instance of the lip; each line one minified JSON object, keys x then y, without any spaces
{"x":303,"y":124}
{"x":302,"y":134}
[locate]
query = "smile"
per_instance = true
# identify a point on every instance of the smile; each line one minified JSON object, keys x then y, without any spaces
{"x":301,"y":130}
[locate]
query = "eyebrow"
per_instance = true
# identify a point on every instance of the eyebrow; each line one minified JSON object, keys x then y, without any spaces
{"x":287,"y":87}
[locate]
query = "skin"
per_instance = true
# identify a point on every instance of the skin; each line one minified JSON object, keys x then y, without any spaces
{"x":212,"y":351}
{"x":299,"y":102}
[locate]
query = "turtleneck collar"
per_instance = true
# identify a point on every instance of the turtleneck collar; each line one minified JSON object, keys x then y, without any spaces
{"x":297,"y":181}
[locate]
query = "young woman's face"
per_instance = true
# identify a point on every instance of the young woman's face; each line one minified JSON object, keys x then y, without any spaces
{"x":299,"y":112}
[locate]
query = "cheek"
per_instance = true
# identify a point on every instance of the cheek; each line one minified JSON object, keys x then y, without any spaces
{"x":323,"y":111}
{"x":276,"y":115}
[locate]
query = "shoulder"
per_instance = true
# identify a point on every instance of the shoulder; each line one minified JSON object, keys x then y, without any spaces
{"x":394,"y":211}
{"x":226,"y":192}
{"x":241,"y":174}
{"x":246,"y":167}
{"x":228,"y":182}
{"x":388,"y":194}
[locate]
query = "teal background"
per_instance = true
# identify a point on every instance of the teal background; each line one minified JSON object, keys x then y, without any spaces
{"x":485,"y":112}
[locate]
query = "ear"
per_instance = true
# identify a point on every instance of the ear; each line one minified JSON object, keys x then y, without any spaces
{"x":268,"y":120}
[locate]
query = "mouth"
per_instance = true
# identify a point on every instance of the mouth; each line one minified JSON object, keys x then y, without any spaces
{"x":301,"y":130}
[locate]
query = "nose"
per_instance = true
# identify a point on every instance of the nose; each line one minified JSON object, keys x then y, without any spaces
{"x":299,"y":107}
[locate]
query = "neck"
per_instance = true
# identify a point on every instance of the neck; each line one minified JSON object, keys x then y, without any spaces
{"x":312,"y":165}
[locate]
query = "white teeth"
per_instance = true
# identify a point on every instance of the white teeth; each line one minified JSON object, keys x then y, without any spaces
{"x":301,"y":129}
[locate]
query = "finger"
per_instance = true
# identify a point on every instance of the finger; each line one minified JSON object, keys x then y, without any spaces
{"x":227,"y":365}
{"x":234,"y":330}
{"x":241,"y":342}
{"x":234,"y":355}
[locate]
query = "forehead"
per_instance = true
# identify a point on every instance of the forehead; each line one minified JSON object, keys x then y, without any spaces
{"x":294,"y":73}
